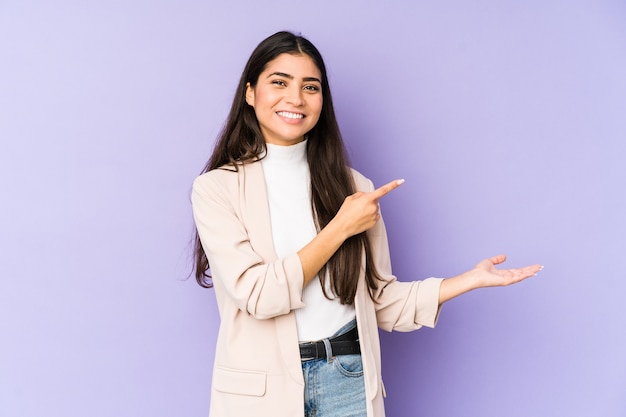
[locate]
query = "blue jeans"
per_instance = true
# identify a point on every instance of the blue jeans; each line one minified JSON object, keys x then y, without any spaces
{"x":334,"y":386}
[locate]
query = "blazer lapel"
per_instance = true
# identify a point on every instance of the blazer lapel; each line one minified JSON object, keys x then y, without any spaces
{"x":255,"y":209}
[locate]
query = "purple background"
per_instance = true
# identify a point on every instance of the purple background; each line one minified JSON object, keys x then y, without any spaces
{"x":507,"y":119}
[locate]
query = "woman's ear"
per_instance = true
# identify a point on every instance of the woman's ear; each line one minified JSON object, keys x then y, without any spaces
{"x":249,"y":95}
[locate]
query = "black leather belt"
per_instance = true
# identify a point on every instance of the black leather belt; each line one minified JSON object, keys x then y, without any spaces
{"x":345,"y":344}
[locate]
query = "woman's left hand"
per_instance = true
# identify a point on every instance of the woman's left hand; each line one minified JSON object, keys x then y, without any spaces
{"x":485,"y":274}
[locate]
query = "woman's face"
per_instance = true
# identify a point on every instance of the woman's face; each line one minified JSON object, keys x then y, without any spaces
{"x":287,"y":99}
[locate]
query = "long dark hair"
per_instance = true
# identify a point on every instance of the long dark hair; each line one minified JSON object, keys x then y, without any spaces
{"x":241,"y":141}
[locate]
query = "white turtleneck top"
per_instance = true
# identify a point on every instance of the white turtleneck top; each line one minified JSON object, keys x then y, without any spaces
{"x":288,"y":184}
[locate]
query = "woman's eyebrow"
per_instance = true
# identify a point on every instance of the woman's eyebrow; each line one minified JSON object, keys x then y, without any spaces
{"x":291,"y":77}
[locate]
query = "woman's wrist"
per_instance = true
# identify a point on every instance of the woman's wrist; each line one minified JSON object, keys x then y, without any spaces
{"x":338,"y":230}
{"x":457,"y":285}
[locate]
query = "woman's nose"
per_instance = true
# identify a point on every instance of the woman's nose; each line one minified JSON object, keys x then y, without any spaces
{"x":294,"y":96}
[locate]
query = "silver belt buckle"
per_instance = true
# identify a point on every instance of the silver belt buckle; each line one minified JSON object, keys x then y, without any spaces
{"x":309,"y":345}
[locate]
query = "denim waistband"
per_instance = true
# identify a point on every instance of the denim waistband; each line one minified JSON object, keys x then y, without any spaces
{"x":345,"y":328}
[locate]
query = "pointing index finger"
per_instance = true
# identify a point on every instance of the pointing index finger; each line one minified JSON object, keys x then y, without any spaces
{"x":387,"y":188}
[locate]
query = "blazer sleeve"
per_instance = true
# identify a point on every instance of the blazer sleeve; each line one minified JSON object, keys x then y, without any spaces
{"x":263,"y":289}
{"x":400,"y":306}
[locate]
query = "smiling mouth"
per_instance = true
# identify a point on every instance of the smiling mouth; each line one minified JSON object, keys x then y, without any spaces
{"x":290,"y":115}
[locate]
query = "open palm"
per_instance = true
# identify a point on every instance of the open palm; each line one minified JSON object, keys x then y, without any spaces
{"x":487,"y":275}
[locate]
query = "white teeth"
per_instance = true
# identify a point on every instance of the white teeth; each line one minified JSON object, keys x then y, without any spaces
{"x":290,"y":115}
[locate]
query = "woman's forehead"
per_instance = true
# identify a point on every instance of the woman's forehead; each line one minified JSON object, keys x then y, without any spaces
{"x":297,"y":66}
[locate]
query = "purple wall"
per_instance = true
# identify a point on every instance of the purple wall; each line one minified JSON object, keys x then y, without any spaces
{"x":506,"y":118}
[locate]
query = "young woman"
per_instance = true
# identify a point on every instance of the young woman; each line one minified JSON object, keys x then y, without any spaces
{"x":298,"y":252}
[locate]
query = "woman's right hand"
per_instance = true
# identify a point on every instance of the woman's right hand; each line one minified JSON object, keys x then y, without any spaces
{"x":360,"y":211}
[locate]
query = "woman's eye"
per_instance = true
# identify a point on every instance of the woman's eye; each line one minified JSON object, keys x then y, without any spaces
{"x":279,"y":82}
{"x":311,"y":88}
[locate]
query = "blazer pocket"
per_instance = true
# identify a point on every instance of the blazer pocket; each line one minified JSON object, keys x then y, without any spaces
{"x":238,"y":381}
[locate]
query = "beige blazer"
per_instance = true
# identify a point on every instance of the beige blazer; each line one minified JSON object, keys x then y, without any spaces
{"x":257,"y":370}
